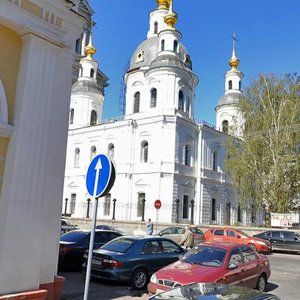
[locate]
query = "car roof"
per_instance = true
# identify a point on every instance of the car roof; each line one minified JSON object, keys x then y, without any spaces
{"x":222,"y":228}
{"x":144,"y":237}
{"x":223,"y":245}
{"x":96,"y":230}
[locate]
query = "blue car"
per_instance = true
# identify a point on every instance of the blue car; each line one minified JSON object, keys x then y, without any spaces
{"x":73,"y":245}
{"x":133,"y":259}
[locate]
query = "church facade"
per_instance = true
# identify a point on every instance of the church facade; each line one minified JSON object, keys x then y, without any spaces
{"x":158,"y":149}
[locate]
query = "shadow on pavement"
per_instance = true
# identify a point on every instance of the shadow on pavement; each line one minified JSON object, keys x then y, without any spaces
{"x":271,"y":286}
{"x":74,"y":286}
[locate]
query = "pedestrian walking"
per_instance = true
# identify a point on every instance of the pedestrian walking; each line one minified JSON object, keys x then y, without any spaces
{"x":187,"y":240}
{"x":149,"y":224}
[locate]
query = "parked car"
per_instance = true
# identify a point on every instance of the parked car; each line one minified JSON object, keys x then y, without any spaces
{"x":112,"y":228}
{"x":214,"y":262}
{"x":213,"y":292}
{"x":237,"y":236}
{"x":133,"y":259}
{"x":66,"y":226}
{"x":282,"y":239}
{"x":73,"y":245}
{"x":175,"y":233}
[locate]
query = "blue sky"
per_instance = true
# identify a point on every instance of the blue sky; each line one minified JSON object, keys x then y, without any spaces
{"x":268,"y":33}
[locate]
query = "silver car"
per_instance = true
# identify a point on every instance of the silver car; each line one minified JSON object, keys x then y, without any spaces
{"x":175,"y":233}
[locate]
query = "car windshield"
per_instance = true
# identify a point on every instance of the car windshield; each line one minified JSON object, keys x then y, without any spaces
{"x":196,"y":230}
{"x":118,"y":245}
{"x":242,"y":233}
{"x":73,"y":236}
{"x":206,"y":256}
{"x":297,"y":235}
{"x":105,"y":227}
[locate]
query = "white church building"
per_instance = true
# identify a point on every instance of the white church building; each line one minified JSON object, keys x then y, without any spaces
{"x":158,"y":149}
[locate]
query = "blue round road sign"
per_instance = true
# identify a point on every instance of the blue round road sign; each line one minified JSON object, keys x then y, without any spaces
{"x":100,"y":176}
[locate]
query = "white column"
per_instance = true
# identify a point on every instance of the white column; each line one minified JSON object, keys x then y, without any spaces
{"x":34,"y":171}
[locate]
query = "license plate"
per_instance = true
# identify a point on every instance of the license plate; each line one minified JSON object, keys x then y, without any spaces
{"x":96,"y":262}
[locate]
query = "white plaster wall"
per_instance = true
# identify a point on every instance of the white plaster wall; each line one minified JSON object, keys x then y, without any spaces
{"x":30,"y":203}
{"x":157,"y":15}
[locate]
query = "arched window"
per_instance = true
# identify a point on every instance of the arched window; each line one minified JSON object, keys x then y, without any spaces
{"x":136,"y":105}
{"x":155,"y":27}
{"x":230,"y":84}
{"x":162,"y":45}
{"x":92,"y":73}
{"x":106,"y":208}
{"x":153,"y":98}
{"x":111,"y":151}
{"x":240,"y":85}
{"x":144,"y":152}
{"x":180,"y":100}
{"x":93,"y":120}
{"x":225,"y":126}
{"x":93,"y":152}
{"x":76,"y":158}
{"x":187,"y":155}
{"x":215,"y":161}
{"x":175,"y":45}
{"x":213,"y":209}
{"x":71,"y":121}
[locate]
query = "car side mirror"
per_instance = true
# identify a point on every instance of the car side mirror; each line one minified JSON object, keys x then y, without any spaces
{"x":232,"y":266}
{"x":238,"y":236}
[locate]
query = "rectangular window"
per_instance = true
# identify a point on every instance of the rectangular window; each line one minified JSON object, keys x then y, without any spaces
{"x":73,"y":203}
{"x":239,"y":214}
{"x":107,"y":202}
{"x":185,"y":207}
{"x":187,"y":155}
{"x":213,"y":209}
{"x":140,"y":204}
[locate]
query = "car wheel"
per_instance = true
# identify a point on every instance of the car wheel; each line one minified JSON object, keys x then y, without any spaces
{"x":253,"y":247}
{"x":139,"y":279}
{"x":261,"y":283}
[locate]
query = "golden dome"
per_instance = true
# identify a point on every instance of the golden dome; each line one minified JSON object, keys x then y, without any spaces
{"x":171,"y":17}
{"x":163,"y":4}
{"x":234,"y":62}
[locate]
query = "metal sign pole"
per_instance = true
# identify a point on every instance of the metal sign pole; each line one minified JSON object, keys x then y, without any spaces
{"x":90,"y":253}
{"x":99,"y":179}
{"x":157,"y":212}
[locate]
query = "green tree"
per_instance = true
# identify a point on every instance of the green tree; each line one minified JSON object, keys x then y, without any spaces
{"x":264,"y":163}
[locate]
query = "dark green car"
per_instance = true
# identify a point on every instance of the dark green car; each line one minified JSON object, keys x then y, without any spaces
{"x":133,"y":259}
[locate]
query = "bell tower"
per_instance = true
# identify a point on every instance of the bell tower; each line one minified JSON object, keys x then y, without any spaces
{"x":86,"y":97}
{"x":228,"y":117}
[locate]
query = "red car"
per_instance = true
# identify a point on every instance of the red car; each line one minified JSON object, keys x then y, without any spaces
{"x":237,"y":236}
{"x":214,"y":262}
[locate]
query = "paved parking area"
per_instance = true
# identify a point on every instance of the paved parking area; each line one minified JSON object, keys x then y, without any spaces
{"x":284,"y":282}
{"x":98,"y":290}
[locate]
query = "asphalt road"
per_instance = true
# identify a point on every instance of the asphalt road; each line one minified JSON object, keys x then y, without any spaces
{"x":284,"y":282}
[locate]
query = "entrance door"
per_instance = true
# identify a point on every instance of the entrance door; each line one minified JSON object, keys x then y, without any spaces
{"x":227,"y":213}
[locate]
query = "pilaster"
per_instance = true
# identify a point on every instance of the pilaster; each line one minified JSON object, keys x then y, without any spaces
{"x":34,"y":169}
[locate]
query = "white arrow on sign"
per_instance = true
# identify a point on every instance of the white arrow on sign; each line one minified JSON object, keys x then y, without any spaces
{"x":98,"y":168}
